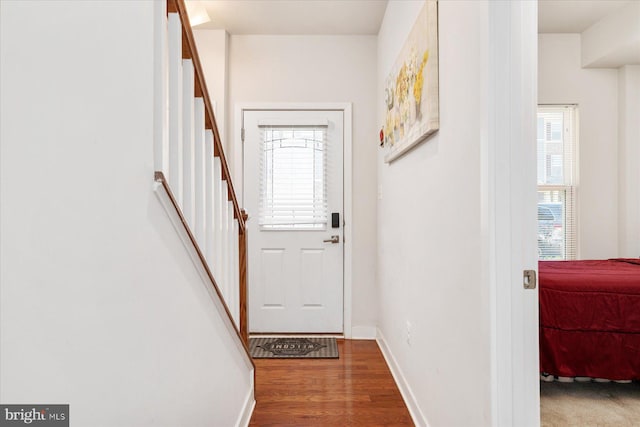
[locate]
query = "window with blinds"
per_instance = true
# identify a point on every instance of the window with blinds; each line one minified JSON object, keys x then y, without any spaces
{"x":557,"y":181}
{"x":293,"y":166}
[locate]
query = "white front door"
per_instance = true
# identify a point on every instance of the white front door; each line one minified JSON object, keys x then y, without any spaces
{"x":293,"y":191}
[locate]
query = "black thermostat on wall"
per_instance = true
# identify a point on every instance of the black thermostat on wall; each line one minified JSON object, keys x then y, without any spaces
{"x":335,"y":220}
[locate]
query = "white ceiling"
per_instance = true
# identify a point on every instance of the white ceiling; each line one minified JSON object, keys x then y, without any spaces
{"x":365,"y":16}
{"x":573,"y":16}
{"x":338,"y":17}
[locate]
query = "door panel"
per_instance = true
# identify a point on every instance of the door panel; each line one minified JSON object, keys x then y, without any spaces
{"x":312,"y":266}
{"x":272,"y":277}
{"x":293,"y":182}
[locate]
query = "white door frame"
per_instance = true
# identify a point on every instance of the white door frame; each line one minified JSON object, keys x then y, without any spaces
{"x":238,"y":156}
{"x":508,"y":213}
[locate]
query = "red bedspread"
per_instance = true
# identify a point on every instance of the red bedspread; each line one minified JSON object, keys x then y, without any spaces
{"x":590,"y":318}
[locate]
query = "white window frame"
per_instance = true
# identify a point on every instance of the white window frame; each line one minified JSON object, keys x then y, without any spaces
{"x":570,"y":139}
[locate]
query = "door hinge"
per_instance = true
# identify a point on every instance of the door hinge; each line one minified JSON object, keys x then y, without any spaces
{"x":529,"y":279}
{"x":242,"y":134}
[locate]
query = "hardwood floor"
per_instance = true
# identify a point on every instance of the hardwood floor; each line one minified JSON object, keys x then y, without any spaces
{"x":355,"y":390}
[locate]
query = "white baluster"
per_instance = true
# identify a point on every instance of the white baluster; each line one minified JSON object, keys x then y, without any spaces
{"x":199,"y":196}
{"x":217,"y":213}
{"x":175,"y":106}
{"x":188,"y":99}
{"x":224,"y":242}
{"x":235,"y":268}
{"x":230,"y":288}
{"x":161,"y":88}
{"x":211,"y":199}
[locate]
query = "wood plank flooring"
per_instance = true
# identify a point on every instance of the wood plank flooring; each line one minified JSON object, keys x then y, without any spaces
{"x":355,"y":390}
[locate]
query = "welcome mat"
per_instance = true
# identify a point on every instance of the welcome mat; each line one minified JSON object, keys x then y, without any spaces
{"x":293,"y":347}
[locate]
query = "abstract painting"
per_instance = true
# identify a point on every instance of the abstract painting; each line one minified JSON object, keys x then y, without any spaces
{"x":411,"y":89}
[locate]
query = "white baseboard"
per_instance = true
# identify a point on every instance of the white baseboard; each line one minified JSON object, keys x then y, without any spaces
{"x":247,"y":409}
{"x":296,"y":335}
{"x":409,"y":399}
{"x":364,"y":333}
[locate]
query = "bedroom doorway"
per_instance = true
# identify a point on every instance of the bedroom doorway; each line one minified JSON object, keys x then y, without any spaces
{"x":587,"y":180}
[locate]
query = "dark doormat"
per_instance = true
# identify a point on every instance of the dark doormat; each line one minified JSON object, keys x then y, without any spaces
{"x":293,"y":348}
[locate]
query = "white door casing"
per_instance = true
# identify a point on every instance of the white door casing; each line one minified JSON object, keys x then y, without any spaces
{"x":509,"y":209}
{"x":295,"y":278}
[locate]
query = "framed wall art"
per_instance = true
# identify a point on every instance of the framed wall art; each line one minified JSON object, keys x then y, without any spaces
{"x":411,"y":89}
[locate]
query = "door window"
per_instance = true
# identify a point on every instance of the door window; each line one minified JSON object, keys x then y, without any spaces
{"x":293,"y":190}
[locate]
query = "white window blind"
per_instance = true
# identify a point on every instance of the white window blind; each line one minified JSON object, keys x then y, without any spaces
{"x":557,"y":182}
{"x":293,"y":165}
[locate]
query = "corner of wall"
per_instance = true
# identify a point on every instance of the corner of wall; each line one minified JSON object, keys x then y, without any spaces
{"x":361,"y":332}
{"x":403,"y":385}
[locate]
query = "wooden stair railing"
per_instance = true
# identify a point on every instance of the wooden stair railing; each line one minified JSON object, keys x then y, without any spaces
{"x":190,"y":52}
{"x":161,"y":179}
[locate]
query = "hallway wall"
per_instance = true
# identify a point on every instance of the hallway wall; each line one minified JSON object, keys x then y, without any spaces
{"x":307,"y":69}
{"x":213,"y":49}
{"x":429,"y":229}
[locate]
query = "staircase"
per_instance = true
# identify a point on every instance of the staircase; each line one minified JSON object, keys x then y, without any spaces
{"x":122,"y":239}
{"x":192,"y":175}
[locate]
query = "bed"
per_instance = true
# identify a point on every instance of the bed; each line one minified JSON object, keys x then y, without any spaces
{"x":590,"y":318}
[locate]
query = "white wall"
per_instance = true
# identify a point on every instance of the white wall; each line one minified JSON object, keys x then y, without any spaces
{"x":307,"y":69}
{"x":561,"y":80}
{"x":100,"y":304}
{"x":213,"y":49}
{"x":614,"y":40}
{"x":628,"y":158}
{"x":429,"y":230}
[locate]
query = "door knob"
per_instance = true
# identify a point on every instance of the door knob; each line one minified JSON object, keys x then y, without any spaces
{"x":333,"y":239}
